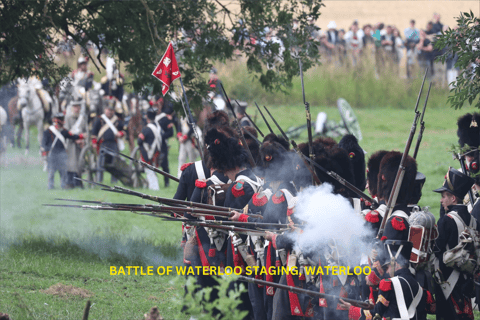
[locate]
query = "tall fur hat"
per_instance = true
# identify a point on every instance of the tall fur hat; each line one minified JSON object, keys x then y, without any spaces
{"x":216,"y":119}
{"x":340,"y":163}
{"x":326,"y":142}
{"x":468,"y":130}
{"x":272,"y":137}
{"x":357,"y":158}
{"x":276,"y":162}
{"x":226,"y":152}
{"x":388,"y":171}
{"x":373,"y":168}
{"x":332,"y":158}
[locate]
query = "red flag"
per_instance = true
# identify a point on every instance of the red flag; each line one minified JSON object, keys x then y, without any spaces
{"x":167,"y":69}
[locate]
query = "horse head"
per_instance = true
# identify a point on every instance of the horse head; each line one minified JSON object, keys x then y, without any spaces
{"x":23,"y":94}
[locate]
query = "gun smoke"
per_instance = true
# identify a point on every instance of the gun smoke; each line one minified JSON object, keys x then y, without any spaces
{"x":331,"y":220}
{"x":26,"y":225}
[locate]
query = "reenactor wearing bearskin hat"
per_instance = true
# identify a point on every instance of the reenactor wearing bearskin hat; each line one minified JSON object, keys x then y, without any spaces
{"x":454,"y":284}
{"x":468,"y":133}
{"x":150,"y":144}
{"x":274,"y":202}
{"x":54,"y":148}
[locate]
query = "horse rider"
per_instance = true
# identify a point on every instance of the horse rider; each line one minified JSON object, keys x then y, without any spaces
{"x":82,"y":76}
{"x":112,"y":83}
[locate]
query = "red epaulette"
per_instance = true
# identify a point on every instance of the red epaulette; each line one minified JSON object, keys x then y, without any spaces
{"x":237,"y":189}
{"x":290,"y":211}
{"x":278,"y":200}
{"x":200,"y":184}
{"x":259,"y":201}
{"x":185,"y":166}
{"x":385,"y":285}
{"x":398,"y":224}
{"x":372,"y":216}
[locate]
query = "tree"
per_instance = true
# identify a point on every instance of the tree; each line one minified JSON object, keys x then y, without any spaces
{"x":137,"y":33}
{"x":463,"y":41}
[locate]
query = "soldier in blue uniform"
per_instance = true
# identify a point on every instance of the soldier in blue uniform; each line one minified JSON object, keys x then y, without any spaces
{"x":454,"y":289}
{"x":150,"y":143}
{"x":106,"y":131}
{"x":54,"y":148}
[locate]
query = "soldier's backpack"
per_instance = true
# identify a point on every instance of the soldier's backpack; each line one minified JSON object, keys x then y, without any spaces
{"x":423,"y":232}
{"x":465,"y":256}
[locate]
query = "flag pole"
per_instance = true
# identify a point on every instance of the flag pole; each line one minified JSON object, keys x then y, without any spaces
{"x":189,"y":115}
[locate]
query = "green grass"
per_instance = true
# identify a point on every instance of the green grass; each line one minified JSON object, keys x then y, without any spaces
{"x":42,"y":246}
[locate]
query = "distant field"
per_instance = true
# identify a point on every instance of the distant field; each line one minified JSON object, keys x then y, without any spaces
{"x":41,"y":247}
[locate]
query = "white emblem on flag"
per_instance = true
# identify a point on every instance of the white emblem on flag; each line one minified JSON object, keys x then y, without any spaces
{"x":159,"y":72}
{"x":175,"y":73}
{"x":167,"y":61}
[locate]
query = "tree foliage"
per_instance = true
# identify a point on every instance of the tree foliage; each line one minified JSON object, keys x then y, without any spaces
{"x":463,"y":41}
{"x":137,"y":33}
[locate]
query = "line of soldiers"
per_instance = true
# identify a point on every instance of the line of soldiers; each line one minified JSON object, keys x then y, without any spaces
{"x":410,"y":275}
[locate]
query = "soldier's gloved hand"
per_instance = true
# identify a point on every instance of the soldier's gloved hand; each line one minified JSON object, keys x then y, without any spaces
{"x":236,"y":216}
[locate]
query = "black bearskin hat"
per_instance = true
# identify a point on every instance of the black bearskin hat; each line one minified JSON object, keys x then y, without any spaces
{"x":340,"y":163}
{"x":468,"y":130}
{"x":373,"y":168}
{"x":216,"y":119}
{"x":388,"y":172}
{"x":416,"y":193}
{"x":226,"y":152}
{"x":272,"y":137}
{"x":276,"y":162}
{"x":326,"y":142}
{"x":357,"y":158}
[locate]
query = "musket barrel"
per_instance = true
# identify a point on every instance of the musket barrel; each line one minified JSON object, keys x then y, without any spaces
{"x":266,"y":122}
{"x":392,"y":199}
{"x":311,"y":293}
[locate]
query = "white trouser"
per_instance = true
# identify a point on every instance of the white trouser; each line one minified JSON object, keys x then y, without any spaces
{"x":152,"y":180}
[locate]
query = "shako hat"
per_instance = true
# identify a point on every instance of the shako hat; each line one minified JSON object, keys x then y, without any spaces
{"x":456,"y":183}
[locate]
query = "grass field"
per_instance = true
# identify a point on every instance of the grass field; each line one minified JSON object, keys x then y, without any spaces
{"x":43,"y":246}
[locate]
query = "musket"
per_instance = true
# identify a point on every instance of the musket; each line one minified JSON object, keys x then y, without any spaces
{"x":259,"y":131}
{"x":463,"y":166}
{"x":153,"y":208}
{"x":309,"y":162}
{"x":266,"y":122}
{"x":192,"y":123}
{"x":216,"y":226}
{"x":314,"y":294}
{"x":308,"y":115}
{"x":422,"y":125}
{"x":253,"y":137}
{"x":392,"y":199}
{"x":297,"y":150}
{"x":344,"y":182}
{"x":239,"y":131}
{"x":107,"y":208}
{"x":146,"y":165}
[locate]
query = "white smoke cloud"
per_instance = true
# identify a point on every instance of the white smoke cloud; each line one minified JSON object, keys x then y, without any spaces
{"x":328,"y":217}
